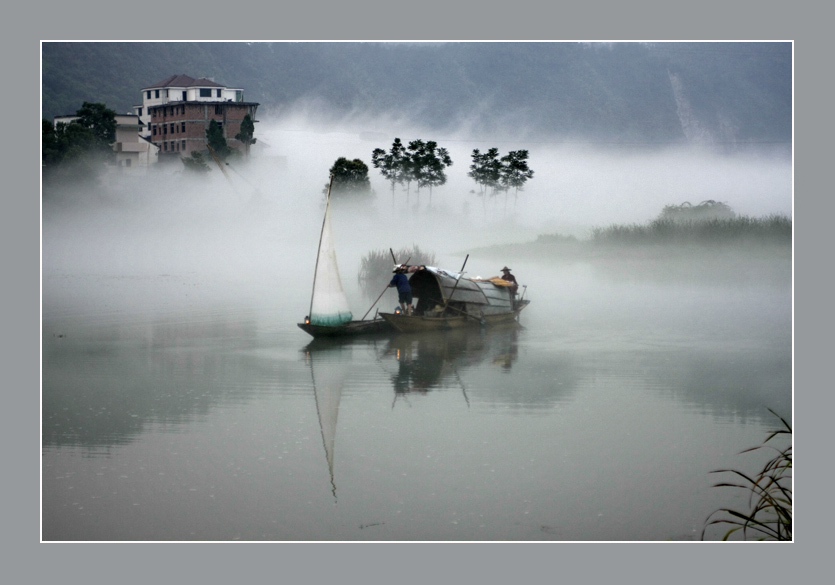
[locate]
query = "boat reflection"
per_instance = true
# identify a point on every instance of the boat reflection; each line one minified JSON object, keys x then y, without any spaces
{"x":432,"y":360}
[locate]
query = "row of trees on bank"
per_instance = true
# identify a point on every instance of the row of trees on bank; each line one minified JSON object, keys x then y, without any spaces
{"x":424,"y":163}
{"x":494,"y":174}
{"x":419,"y":162}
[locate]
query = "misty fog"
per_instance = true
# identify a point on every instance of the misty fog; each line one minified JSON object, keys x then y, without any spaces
{"x":255,"y":230}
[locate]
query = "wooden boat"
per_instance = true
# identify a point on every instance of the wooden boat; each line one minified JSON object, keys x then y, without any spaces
{"x":447,"y":300}
{"x":369,"y":327}
{"x":330,"y":315}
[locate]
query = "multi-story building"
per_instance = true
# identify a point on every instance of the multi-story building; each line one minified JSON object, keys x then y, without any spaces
{"x":176,"y":113}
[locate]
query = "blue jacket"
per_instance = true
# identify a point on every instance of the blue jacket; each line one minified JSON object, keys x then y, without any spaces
{"x":401,"y":282}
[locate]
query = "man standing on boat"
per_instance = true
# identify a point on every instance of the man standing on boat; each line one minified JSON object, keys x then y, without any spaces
{"x":404,"y":290}
{"x":506,"y":275}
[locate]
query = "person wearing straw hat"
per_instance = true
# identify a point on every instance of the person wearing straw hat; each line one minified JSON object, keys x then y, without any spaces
{"x":506,"y":275}
{"x":404,"y":289}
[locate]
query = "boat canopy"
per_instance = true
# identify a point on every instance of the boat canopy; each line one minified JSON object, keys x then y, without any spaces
{"x":437,"y":286}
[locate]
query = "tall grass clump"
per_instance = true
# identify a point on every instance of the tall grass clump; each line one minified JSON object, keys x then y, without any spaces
{"x":376,"y":266}
{"x":769,"y":514}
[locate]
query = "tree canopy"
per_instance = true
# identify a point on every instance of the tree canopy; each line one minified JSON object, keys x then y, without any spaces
{"x":350,"y":177}
{"x":78,"y":150}
{"x":100,"y":120}
{"x":485,"y":170}
{"x":490,"y":171}
{"x":246,"y":135}
{"x":391,"y":164}
{"x":514,"y":171}
{"x":195,"y":163}
{"x":428,"y":162}
{"x":216,"y":141}
{"x":422,"y":162}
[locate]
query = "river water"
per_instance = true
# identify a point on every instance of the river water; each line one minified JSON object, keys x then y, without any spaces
{"x":172,"y":411}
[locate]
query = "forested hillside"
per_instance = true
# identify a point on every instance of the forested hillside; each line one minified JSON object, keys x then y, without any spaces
{"x":663,"y":92}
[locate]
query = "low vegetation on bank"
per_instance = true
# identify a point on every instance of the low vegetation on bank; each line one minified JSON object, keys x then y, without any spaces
{"x":709,"y":226}
{"x":667,"y":231}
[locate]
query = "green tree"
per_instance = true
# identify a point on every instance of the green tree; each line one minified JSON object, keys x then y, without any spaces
{"x":514,"y":172}
{"x":78,"y":151}
{"x":90,"y":135}
{"x":428,"y":162}
{"x":50,"y":147}
{"x":216,"y":141}
{"x":350,"y":177}
{"x":485,"y":171}
{"x":246,"y":135}
{"x":101,"y":120}
{"x":196,"y":163}
{"x":392,"y":164}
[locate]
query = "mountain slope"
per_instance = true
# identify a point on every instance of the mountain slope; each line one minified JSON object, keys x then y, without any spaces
{"x":664,"y":92}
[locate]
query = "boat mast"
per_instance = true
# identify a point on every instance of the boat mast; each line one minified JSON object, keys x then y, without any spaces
{"x":319,"y":249}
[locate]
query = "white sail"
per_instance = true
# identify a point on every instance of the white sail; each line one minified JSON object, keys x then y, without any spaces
{"x":328,"y":305}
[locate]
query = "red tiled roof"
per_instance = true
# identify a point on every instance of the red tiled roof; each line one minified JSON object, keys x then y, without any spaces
{"x":183,"y":80}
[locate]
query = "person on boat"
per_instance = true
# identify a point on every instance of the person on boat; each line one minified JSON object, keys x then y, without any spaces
{"x":404,"y":289}
{"x":506,"y":275}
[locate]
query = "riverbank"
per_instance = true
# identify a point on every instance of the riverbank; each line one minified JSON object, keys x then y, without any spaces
{"x":737,"y":249}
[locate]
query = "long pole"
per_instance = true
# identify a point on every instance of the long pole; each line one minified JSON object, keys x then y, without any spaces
{"x":319,"y":249}
{"x":384,"y":290}
{"x":456,"y":281}
{"x":375,"y":302}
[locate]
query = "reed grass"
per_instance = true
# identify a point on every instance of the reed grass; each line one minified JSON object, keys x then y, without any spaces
{"x":775,"y":228}
{"x":376,"y":266}
{"x":769,"y":516}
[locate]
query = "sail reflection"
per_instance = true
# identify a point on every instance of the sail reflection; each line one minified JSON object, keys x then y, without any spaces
{"x":329,"y":365}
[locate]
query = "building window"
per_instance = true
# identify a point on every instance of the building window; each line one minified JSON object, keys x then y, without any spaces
{"x":156,"y":93}
{"x":182,"y":127}
{"x":165,"y":128}
{"x":184,"y":144}
{"x":218,"y":109}
{"x":148,"y":94}
{"x":153,"y":130}
{"x":165,"y":146}
{"x":172,"y":127}
{"x":205,"y":92}
{"x":218,"y":93}
{"x":184,"y":96}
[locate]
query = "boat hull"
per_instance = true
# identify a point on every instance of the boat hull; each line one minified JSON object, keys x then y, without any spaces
{"x":352,"y":328}
{"x":418,"y":323}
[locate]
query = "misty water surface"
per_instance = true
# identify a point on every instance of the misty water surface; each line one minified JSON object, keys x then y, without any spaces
{"x":181,"y":402}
